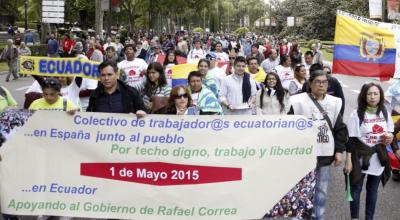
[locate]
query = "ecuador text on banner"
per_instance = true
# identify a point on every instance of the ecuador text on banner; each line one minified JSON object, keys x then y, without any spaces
{"x":115,"y":165}
{"x":363,"y":47}
{"x":61,"y":67}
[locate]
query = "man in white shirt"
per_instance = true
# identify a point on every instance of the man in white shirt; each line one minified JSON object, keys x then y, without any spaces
{"x":217,"y":73}
{"x":269,"y":64}
{"x":308,"y":61}
{"x":133,"y":68}
{"x":221,"y":55}
{"x":238,"y":99}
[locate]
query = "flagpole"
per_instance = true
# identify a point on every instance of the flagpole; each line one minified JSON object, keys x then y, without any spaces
{"x":384,"y":14}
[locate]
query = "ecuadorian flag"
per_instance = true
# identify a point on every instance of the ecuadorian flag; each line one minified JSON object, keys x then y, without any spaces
{"x":363,"y":47}
{"x":180,"y":73}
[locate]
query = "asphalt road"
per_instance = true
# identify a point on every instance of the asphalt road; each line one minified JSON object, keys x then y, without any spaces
{"x":388,"y":205}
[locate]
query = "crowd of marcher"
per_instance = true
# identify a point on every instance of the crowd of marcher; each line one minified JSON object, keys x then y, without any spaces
{"x":246,"y":75}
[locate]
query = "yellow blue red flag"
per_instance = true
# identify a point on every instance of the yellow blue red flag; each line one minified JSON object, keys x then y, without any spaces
{"x":363,"y":47}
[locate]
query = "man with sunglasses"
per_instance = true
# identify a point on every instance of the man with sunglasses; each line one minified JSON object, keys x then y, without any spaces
{"x":114,"y":96}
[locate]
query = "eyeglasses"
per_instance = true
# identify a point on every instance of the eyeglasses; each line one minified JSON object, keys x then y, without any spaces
{"x":319,"y":82}
{"x":179,"y":96}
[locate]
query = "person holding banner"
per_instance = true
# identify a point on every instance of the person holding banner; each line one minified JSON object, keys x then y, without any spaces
{"x":238,"y":90}
{"x":272,"y":98}
{"x":370,"y":130}
{"x":203,"y":98}
{"x":52,"y":99}
{"x":155,"y":89}
{"x":113,"y":95}
{"x":179,"y":102}
{"x":6,"y":99}
{"x":324,"y":110}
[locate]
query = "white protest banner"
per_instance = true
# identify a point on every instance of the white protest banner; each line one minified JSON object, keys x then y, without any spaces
{"x":160,"y":167}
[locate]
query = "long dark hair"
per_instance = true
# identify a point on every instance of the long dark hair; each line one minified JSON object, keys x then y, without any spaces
{"x":284,"y":58}
{"x":362,"y":101}
{"x":150,"y":88}
{"x":166,"y":61}
{"x":280,"y":91}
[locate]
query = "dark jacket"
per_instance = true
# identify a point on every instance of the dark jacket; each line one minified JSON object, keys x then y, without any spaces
{"x":360,"y":151}
{"x":334,"y":88}
{"x":132,"y":100}
{"x":142,"y":54}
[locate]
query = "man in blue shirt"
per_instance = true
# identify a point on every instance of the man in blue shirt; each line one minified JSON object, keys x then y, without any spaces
{"x":52,"y":46}
{"x":28,"y":38}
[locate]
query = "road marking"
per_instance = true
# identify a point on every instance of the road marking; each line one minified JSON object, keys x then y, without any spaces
{"x":356,"y":91}
{"x":22,"y":88}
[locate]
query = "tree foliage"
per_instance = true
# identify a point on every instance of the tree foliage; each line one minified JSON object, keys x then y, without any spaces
{"x":218,"y":15}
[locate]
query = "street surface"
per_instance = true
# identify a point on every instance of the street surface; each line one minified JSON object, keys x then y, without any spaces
{"x":388,"y":205}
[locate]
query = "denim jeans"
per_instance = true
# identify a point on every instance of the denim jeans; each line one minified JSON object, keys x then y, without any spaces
{"x":321,"y":190}
{"x":372,"y":195}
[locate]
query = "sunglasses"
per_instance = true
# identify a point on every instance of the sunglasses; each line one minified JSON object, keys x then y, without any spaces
{"x":232,"y":58}
{"x":51,"y":82}
{"x":179,"y":96}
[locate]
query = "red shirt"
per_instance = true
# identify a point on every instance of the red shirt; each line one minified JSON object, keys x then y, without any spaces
{"x":68,"y":44}
{"x":283,"y":50}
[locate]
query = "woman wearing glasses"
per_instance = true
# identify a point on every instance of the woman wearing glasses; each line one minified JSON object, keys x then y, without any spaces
{"x":272,"y":98}
{"x":324,"y":110}
{"x":370,"y":130}
{"x":179,"y":102}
